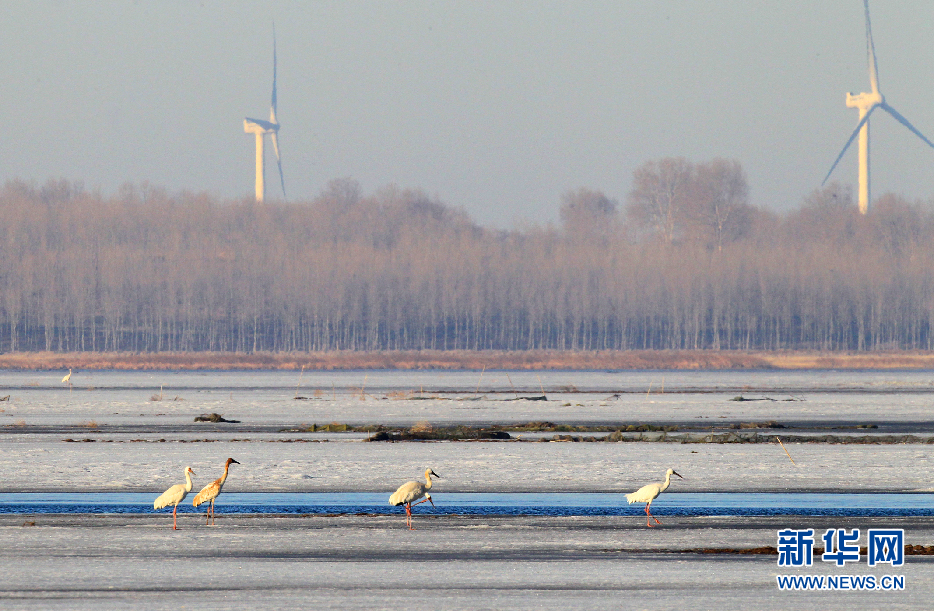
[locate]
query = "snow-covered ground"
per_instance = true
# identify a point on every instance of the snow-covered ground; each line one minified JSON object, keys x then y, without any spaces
{"x":49,"y":464}
{"x":268,"y":398}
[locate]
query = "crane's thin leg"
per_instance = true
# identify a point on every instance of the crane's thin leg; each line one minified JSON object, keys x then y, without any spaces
{"x":213,"y":520}
{"x":174,"y":520}
{"x":647,"y":523}
{"x":408,"y":516}
{"x":420,"y":502}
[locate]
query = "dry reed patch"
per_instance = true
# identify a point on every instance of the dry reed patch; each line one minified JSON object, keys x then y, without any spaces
{"x":422,"y":426}
{"x":536,"y":360}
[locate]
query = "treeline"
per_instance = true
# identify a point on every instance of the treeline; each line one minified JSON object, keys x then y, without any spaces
{"x":684,"y":263}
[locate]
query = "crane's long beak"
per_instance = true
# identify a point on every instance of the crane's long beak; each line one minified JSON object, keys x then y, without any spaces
{"x":435,"y":475}
{"x":676,"y":473}
{"x":192,"y":472}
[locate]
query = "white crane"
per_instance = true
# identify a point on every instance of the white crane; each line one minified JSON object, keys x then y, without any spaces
{"x":646,"y":494}
{"x":67,"y":378}
{"x":175,"y":495}
{"x":411,"y":491}
{"x":210,"y":492}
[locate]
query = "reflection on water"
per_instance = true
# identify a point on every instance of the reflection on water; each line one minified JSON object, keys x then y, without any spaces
{"x":548,"y":504}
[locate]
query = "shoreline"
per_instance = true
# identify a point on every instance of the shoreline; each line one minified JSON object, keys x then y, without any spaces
{"x":538,"y":360}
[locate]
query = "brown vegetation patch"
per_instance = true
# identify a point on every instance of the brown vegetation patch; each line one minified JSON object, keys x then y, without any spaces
{"x":771,"y":424}
{"x":765,"y":549}
{"x":213,"y":418}
{"x":421,"y":432}
{"x":910,"y":550}
{"x":462,"y":359}
{"x":453,"y":433}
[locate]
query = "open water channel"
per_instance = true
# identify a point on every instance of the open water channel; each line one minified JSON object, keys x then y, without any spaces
{"x":513,"y":504}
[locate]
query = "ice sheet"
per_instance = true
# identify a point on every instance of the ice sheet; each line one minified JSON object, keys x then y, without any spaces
{"x":357,"y":562}
{"x":54,"y":465}
{"x":268,"y":398}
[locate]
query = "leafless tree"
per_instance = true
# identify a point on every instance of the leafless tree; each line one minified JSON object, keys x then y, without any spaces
{"x":146,"y":270}
{"x":720,"y":207}
{"x":587,"y":214}
{"x":659,"y":197}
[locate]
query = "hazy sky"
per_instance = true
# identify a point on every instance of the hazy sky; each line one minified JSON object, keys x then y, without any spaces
{"x":498,"y":107}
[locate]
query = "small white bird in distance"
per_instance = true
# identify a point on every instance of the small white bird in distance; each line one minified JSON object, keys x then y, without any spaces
{"x":646,"y":494}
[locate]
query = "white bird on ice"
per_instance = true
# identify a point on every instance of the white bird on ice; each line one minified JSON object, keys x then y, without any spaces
{"x":646,"y":494}
{"x":175,"y":495}
{"x":67,"y":378}
{"x":411,"y":491}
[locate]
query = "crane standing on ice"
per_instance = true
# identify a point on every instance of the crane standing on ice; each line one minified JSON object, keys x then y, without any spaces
{"x":210,"y":492}
{"x":175,"y":495}
{"x":646,"y":494}
{"x":411,"y":491}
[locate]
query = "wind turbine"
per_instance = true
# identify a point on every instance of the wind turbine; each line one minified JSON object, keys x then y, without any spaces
{"x":866,"y":103}
{"x":260,"y":128}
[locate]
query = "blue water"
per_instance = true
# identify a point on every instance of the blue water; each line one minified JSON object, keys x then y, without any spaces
{"x":547,"y":504}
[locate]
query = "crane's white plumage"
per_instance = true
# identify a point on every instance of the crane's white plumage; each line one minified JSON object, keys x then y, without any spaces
{"x":210,"y":492}
{"x":646,"y":494}
{"x":412,"y":491}
{"x":175,"y":495}
{"x":67,"y":378}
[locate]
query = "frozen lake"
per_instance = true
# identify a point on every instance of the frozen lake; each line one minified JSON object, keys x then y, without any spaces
{"x":131,"y":434}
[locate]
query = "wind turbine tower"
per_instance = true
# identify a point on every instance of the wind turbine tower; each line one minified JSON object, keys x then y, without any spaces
{"x":260,"y":128}
{"x":866,"y":103}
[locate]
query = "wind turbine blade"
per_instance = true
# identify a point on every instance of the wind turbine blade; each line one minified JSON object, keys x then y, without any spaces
{"x":871,"y":52}
{"x":859,"y":126}
{"x":275,"y":146}
{"x":904,"y":121}
{"x":272,"y":111}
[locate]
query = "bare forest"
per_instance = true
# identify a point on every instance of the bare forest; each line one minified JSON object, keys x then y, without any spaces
{"x":684,"y":263}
